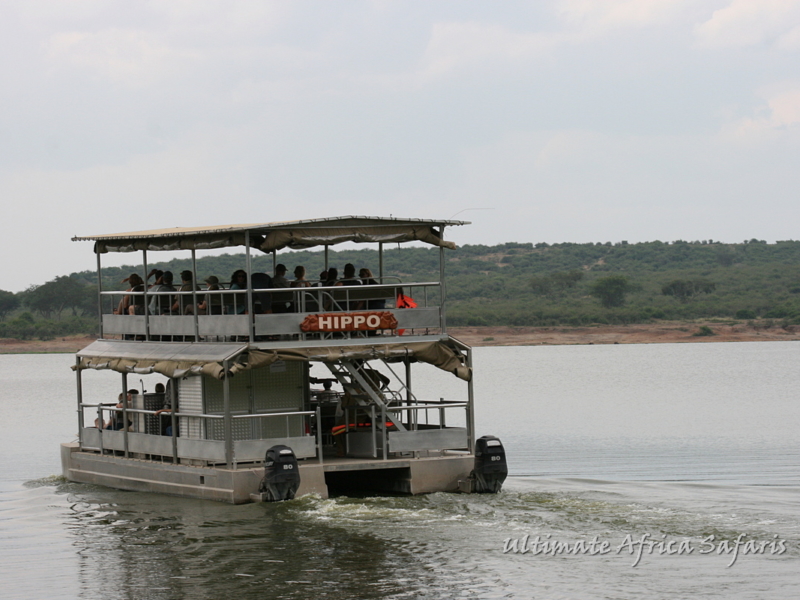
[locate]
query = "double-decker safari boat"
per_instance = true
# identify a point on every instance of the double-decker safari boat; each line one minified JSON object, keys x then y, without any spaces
{"x":237,"y":414}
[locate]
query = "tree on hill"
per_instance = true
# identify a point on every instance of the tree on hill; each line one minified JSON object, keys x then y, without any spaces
{"x":8,"y":302}
{"x":611,"y":290}
{"x":50,"y":299}
{"x":555,"y":282}
{"x":683,"y":289}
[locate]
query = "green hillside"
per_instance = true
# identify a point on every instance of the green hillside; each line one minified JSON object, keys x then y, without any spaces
{"x":508,"y":284}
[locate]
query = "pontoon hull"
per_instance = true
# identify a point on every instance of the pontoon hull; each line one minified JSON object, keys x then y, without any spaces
{"x":235,"y":486}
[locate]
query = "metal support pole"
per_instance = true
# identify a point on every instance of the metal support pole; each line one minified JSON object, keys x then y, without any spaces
{"x":470,"y":406}
{"x":251,"y":316}
{"x":194,"y":296}
{"x":442,"y":290}
{"x":173,"y":405}
{"x":326,"y":260}
{"x":144,"y":299}
{"x":227,"y":421}
{"x":100,"y":427}
{"x":380,"y":262}
{"x":99,"y":295}
{"x":274,"y":261}
{"x":125,"y":412}
{"x":374,"y":432}
{"x":347,"y":431}
{"x":319,"y":434}
{"x":409,"y":395}
{"x":383,"y":430}
{"x":80,"y":401}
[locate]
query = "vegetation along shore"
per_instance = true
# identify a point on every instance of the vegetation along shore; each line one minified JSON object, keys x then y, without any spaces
{"x":665,"y":332}
{"x":526,"y":293}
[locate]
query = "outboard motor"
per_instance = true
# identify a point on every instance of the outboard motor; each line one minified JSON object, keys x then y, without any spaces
{"x":490,"y":465}
{"x":281,"y":474}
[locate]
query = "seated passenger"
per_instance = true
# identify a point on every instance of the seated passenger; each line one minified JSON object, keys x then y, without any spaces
{"x":300,"y":278}
{"x":132,"y":304}
{"x":367,"y":279}
{"x":280,"y":281}
{"x":164,"y":413}
{"x":117,"y":420}
{"x":281,"y":302}
{"x":332,"y":277}
{"x":350,"y":278}
{"x":162,"y":304}
{"x":183,"y":304}
{"x":212,"y":303}
{"x":236,"y":304}
{"x":308,"y":302}
{"x":158,"y":273}
{"x":262,"y":299}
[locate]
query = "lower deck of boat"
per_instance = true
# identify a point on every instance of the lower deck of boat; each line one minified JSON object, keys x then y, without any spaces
{"x":332,"y":476}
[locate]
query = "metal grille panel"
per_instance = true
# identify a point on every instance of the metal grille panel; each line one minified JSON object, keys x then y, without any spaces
{"x":190,"y":400}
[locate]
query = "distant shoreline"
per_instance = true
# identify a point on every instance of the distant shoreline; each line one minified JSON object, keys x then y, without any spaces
{"x":667,"y":332}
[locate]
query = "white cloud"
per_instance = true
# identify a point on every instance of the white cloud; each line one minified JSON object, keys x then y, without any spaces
{"x":789,"y":40}
{"x":778,"y":113}
{"x":615,"y":14}
{"x":470,"y":45}
{"x":590,"y":186}
{"x":456,"y":45}
{"x":182,"y":185}
{"x":133,"y":58}
{"x":750,"y":23}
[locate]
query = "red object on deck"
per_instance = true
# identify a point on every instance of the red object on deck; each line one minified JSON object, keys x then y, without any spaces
{"x":404,"y":301}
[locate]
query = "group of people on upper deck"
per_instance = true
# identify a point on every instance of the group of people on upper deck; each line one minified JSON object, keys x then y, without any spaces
{"x":162,"y":302}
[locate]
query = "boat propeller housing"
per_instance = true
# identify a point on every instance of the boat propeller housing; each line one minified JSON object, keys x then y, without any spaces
{"x":491,"y":468}
{"x":281,"y":474}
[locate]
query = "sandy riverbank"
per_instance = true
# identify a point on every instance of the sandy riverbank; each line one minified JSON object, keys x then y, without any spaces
{"x":652,"y":333}
{"x":68,"y":345}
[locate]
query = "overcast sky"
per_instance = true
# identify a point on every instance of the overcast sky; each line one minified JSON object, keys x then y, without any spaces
{"x":571,"y":120}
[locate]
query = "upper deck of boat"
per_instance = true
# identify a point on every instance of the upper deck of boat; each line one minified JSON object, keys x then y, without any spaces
{"x":381,"y":307}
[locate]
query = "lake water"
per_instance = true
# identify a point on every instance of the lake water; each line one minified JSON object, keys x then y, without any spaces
{"x":678,"y":442}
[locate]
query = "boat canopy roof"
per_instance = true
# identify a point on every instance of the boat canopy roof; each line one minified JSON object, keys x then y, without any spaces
{"x":269,"y":237}
{"x":182,"y":359}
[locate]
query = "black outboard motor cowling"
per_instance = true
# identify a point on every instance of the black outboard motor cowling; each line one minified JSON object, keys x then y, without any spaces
{"x":490,"y":465}
{"x":281,"y":474}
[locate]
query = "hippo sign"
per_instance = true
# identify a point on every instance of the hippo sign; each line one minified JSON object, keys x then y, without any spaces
{"x":345,"y":321}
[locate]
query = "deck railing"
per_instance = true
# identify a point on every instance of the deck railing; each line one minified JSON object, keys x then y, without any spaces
{"x":418,"y":437}
{"x":139,"y":441}
{"x":223,"y":315}
{"x":246,"y":449}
